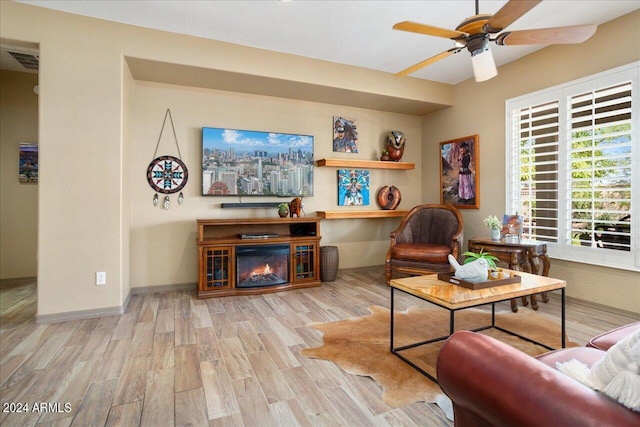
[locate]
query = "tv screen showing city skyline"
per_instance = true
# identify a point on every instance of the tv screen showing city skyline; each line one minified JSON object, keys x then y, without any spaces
{"x":255,"y":163}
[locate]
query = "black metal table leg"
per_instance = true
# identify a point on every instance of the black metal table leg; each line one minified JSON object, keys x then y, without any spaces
{"x":391,"y":331}
{"x":564,"y":344}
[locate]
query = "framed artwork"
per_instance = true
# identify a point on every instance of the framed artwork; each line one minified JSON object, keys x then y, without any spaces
{"x":459,"y":173}
{"x":255,"y":163}
{"x":353,"y":187}
{"x":512,"y":225}
{"x":345,"y":135}
{"x":28,"y":168}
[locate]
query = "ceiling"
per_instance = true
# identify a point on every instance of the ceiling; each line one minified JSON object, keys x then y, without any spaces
{"x":349,"y":32}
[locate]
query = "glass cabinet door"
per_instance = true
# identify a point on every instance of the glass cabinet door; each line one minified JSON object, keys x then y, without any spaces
{"x":217,"y":268}
{"x":304,"y":264}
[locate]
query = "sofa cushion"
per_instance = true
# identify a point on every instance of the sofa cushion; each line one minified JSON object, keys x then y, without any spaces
{"x":606,"y":340}
{"x":616,"y":374}
{"x":423,"y":252}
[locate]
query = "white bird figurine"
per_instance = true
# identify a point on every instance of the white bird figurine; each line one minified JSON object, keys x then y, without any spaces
{"x":475,"y":272}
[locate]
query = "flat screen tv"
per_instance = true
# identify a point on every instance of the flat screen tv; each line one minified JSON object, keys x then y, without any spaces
{"x":253,"y":163}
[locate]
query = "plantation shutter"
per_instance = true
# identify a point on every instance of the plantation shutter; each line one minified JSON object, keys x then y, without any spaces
{"x":573,"y":167}
{"x":534,"y":169}
{"x":599,"y":168}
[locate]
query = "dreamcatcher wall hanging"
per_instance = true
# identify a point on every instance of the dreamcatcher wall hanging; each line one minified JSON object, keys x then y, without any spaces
{"x":167,"y":174}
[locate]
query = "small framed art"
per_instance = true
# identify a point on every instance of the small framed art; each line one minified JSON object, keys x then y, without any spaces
{"x":459,"y":173}
{"x":512,"y":226}
{"x":353,"y":187}
{"x":345,"y":135}
{"x":28,"y":170}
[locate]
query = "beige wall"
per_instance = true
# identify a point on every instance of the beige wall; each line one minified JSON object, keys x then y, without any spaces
{"x":18,"y":201}
{"x":126,"y":212}
{"x":163,"y":242}
{"x":479,"y":108}
{"x":81,"y":169}
{"x":92,"y":185}
{"x":99,"y":124}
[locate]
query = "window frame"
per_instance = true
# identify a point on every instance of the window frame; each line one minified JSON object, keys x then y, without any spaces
{"x":562,"y":249}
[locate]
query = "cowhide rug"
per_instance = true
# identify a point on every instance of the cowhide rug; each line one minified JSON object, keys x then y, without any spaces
{"x":360,"y":345}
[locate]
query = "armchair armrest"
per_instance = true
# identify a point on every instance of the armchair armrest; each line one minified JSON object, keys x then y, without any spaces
{"x":456,"y":245}
{"x":491,"y":383}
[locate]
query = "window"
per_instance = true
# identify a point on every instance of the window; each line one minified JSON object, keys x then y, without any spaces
{"x":573,"y":168}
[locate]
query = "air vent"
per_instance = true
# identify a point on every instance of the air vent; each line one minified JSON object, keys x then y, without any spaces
{"x":27,"y":60}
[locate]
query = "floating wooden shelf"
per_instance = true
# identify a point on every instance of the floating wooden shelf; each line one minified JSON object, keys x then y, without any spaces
{"x":371,"y":164}
{"x":360,"y":214}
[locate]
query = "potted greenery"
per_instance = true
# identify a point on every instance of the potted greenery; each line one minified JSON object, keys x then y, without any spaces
{"x":490,"y":258}
{"x":283,"y":209}
{"x":494,"y":225}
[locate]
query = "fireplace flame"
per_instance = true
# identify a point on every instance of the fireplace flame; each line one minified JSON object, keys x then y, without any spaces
{"x":267,"y":269}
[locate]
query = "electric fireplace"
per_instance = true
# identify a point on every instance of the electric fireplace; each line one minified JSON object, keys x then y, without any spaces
{"x":262,"y":265}
{"x":253,"y":256}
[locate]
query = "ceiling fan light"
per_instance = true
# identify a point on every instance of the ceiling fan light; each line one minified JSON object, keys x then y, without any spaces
{"x":484,"y":67}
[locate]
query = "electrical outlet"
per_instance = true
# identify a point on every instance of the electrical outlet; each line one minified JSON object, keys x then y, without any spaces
{"x":101,"y":278}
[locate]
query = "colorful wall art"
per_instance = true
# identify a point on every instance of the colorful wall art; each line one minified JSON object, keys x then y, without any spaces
{"x":345,"y":135}
{"x":353,"y":187}
{"x":459,"y":173}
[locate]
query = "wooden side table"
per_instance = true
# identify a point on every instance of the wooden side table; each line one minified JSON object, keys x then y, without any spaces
{"x":527,"y":255}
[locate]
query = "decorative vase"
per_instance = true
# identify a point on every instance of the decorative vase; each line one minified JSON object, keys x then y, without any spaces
{"x":389,"y":197}
{"x":395,"y":145}
{"x":495,"y":234}
{"x":329,"y":260}
{"x":283,"y":212}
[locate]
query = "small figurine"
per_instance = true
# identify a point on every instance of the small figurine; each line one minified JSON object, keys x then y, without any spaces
{"x":295,"y":207}
{"x":475,"y":272}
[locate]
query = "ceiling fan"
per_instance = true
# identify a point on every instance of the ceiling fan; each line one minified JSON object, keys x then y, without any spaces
{"x":476,"y":33}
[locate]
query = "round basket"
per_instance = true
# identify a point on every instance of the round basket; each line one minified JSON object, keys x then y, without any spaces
{"x":328,"y":263}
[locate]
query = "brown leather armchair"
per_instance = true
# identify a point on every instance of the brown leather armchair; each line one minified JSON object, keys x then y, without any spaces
{"x":423,"y":241}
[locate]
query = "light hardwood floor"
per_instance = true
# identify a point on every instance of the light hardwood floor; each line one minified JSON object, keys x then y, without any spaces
{"x":172,"y":359}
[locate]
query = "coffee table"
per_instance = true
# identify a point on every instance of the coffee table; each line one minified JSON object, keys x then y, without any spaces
{"x":453,"y":298}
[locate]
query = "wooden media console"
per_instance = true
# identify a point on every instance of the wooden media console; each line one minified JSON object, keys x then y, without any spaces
{"x":222,"y":242}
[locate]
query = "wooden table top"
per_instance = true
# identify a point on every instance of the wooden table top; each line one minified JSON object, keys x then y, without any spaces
{"x":522,"y":243}
{"x":454,"y":297}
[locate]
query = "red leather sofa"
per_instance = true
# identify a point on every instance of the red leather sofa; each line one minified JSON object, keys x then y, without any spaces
{"x":493,"y":384}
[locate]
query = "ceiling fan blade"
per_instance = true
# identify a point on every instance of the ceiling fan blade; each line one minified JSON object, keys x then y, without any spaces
{"x":509,"y":13}
{"x":414,"y":27}
{"x":421,"y":65}
{"x":576,"y":34}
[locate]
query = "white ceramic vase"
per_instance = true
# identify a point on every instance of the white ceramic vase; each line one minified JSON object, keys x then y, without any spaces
{"x":495,"y":234}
